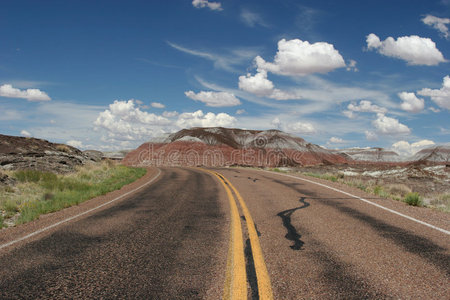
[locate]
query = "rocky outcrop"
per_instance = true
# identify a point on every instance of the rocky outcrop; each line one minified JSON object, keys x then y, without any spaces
{"x":438,"y":154}
{"x":115,"y":155}
{"x":217,"y":146}
{"x":6,"y":180}
{"x":378,"y":155}
{"x":31,"y":153}
{"x":93,"y":155}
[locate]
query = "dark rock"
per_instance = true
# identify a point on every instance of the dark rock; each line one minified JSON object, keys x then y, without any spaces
{"x":93,"y":155}
{"x":31,"y":153}
{"x":6,"y":180}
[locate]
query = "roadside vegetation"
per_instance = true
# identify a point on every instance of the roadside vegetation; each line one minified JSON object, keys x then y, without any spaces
{"x":38,"y":193}
{"x":399,"y":192}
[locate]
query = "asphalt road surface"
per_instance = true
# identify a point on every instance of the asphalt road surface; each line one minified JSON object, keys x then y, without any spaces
{"x":181,"y":237}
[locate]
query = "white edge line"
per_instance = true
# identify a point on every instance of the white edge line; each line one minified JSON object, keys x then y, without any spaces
{"x":365,"y":200}
{"x":79,"y":215}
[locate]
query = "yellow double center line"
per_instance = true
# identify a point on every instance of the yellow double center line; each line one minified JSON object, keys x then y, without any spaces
{"x":236,"y":278}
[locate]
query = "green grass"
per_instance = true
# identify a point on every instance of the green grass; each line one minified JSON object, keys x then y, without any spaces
{"x":1,"y":221}
{"x":323,"y":176}
{"x":413,"y":199}
{"x":41,"y":192}
{"x":277,"y":170}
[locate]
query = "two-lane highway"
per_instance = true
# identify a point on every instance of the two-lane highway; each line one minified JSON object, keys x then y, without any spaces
{"x":208,"y":234}
{"x":167,"y":241}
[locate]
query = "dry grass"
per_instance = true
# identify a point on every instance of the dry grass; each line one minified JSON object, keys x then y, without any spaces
{"x":63,"y":148}
{"x":41,"y":192}
{"x":441,"y":202}
{"x":399,"y":192}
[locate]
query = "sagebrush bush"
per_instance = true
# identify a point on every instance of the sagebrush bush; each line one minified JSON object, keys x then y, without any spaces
{"x":413,"y":199}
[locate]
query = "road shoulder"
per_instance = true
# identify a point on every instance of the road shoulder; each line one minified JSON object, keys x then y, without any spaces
{"x":12,"y":233}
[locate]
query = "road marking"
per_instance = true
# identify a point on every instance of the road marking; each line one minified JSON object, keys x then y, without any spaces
{"x":365,"y":200}
{"x":262,"y":275}
{"x":236,"y":276}
{"x":79,"y":215}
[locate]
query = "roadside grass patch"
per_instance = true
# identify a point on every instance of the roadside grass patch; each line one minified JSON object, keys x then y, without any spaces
{"x":278,"y":170}
{"x":327,"y":176}
{"x":399,"y":192}
{"x":413,"y":199}
{"x":39,"y":193}
{"x":441,"y":202}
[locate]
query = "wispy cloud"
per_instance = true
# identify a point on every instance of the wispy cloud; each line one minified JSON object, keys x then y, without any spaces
{"x":228,"y":61}
{"x":440,"y":24}
{"x":253,"y":19}
{"x":154,"y":63}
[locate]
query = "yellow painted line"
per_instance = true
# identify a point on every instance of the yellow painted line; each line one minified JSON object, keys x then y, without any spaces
{"x":236,"y":276}
{"x":262,"y":275}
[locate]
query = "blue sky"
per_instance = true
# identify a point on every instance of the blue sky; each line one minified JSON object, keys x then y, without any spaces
{"x":113,"y":74}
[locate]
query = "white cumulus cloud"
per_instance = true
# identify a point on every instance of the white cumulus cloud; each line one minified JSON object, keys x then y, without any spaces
{"x":206,"y":3}
{"x":371,"y":136}
{"x":363,"y":106}
{"x":351,"y":66}
{"x":406,"y":149}
{"x":123,"y":121}
{"x":296,"y":58}
{"x":301,"y":128}
{"x":214,"y":99}
{"x":75,"y":143}
{"x":9,"y":91}
{"x":413,"y":49}
{"x":157,"y":105}
{"x":170,"y":114}
{"x":411,"y":103}
{"x":25,"y":133}
{"x":441,"y":24}
{"x":259,"y":85}
{"x":200,"y":119}
{"x":389,"y":126}
{"x":441,"y":96}
{"x":336,"y":140}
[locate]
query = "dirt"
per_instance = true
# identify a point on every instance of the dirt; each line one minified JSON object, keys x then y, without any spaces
{"x":425,"y":179}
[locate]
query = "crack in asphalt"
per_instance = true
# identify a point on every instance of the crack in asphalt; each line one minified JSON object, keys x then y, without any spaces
{"x":292,"y":233}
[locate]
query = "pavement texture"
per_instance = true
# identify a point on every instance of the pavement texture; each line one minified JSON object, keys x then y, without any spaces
{"x":167,"y":241}
{"x":170,"y":240}
{"x":321,"y":244}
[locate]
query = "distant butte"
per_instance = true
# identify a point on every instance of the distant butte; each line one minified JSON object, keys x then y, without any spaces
{"x":218,"y":146}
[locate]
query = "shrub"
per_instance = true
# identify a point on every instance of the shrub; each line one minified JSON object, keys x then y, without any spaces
{"x":63,"y":148}
{"x":398,"y":189}
{"x":34,"y":176}
{"x":377,"y":190}
{"x":1,"y":221}
{"x":413,"y":199}
{"x":10,"y":207}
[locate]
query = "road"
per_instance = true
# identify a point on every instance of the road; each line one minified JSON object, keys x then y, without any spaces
{"x":180,"y":238}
